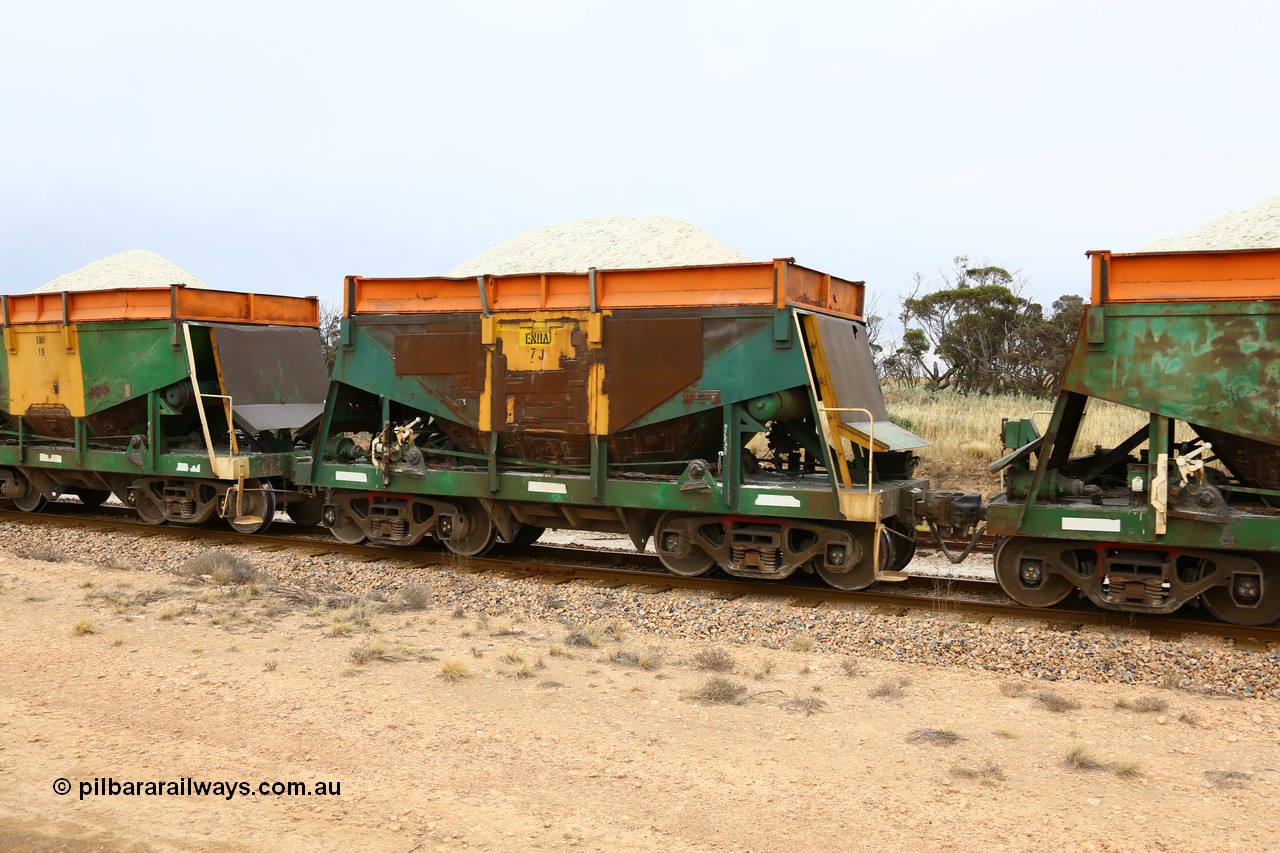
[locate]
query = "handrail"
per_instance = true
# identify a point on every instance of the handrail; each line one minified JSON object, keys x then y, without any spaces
{"x":871,"y":437}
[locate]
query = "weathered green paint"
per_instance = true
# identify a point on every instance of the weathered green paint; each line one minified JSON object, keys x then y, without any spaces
{"x":124,"y":361}
{"x":1215,"y":365}
{"x":745,"y":358}
{"x":1211,"y":363}
{"x":815,"y":498}
{"x":126,"y":367}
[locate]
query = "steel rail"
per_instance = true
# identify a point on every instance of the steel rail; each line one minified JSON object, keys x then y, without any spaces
{"x":921,"y":592}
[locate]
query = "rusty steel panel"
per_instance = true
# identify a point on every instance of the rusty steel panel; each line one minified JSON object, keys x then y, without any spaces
{"x":853,"y":370}
{"x":1256,"y":463}
{"x":275,"y":376}
{"x":552,"y":400}
{"x":649,"y":360}
{"x":52,"y":419}
{"x":436,"y":354}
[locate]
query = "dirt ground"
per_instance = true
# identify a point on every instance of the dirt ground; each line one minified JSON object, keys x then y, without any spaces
{"x":134,"y":677}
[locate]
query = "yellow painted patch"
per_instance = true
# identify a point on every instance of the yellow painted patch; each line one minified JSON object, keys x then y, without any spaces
{"x":44,"y":368}
{"x":537,"y":342}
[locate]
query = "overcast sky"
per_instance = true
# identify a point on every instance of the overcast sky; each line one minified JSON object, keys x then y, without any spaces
{"x":278,"y":146}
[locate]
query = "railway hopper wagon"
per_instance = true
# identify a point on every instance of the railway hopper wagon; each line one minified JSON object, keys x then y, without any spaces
{"x":623,"y":401}
{"x":184,"y":403}
{"x":1188,"y":506}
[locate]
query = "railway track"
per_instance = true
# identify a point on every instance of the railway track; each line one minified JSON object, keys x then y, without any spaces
{"x":978,"y":600}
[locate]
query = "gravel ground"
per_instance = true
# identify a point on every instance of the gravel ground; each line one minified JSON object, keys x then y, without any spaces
{"x":933,"y":637}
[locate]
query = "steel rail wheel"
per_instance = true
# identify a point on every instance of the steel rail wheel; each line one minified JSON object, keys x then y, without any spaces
{"x":679,"y":553}
{"x":32,"y":501}
{"x":253,"y":511}
{"x":1028,"y":584}
{"x":1246,"y":599}
{"x":477,"y":534}
{"x":861,"y":574}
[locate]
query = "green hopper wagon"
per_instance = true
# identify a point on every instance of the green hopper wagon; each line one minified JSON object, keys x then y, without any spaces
{"x":731,"y":412}
{"x":1187,"y":507}
{"x":183,"y":403}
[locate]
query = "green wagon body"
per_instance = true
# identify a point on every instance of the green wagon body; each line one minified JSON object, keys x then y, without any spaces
{"x":623,"y":401}
{"x":1193,"y":340}
{"x":132,"y":392}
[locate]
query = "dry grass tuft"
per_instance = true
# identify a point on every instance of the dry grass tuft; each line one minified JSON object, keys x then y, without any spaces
{"x":801,"y":643}
{"x":581,"y":639}
{"x":1055,"y":702}
{"x":221,"y":567}
{"x":1227,"y":778}
{"x":371,"y":649}
{"x":339,"y":627}
{"x":939,"y":737}
{"x":414,"y":596}
{"x":715,"y":659}
{"x":647,"y":659}
{"x":719,"y":690}
{"x":171,"y":612}
{"x":511,"y":656}
{"x":300,"y":597}
{"x":557,"y":651}
{"x":987,"y":774}
{"x":1080,"y":758}
{"x":1143,"y":704}
{"x":506,"y":629}
{"x":84,"y":626}
{"x":455,"y":669}
{"x":851,"y":667}
{"x":1127,"y":769}
{"x":270,"y":665}
{"x":763,"y":670}
{"x":963,"y":439}
{"x":523,"y":670}
{"x":810,"y":705}
{"x":892,"y":689}
{"x":1013,"y":689}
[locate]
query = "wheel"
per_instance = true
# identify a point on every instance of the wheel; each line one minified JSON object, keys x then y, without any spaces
{"x":1247,"y":599}
{"x":671,"y":537}
{"x":472,"y":533}
{"x":904,"y":546}
{"x":150,"y":513}
{"x":347,"y":531}
{"x":861,"y":574}
{"x":91,"y":497}
{"x":254,"y":511}
{"x":32,"y":501}
{"x":527,"y":534}
{"x":306,"y":513}
{"x":1028,"y":584}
